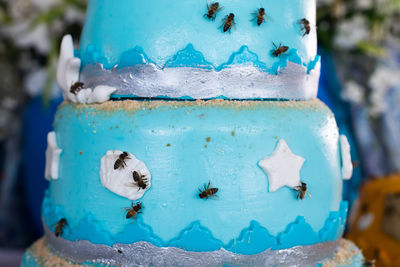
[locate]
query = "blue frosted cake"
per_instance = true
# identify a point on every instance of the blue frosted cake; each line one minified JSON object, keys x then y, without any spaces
{"x":191,"y":135}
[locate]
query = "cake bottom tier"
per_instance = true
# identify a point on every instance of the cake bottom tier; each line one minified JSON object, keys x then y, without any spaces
{"x":345,"y":253}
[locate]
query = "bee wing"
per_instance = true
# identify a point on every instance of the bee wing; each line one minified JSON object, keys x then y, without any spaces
{"x":308,"y":193}
{"x":254,"y":18}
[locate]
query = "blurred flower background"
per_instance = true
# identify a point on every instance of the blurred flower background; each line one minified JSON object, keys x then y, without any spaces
{"x":359,"y":41}
{"x":30,"y":34}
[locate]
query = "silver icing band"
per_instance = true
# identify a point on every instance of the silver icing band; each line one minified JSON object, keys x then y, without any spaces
{"x":235,"y":82}
{"x":146,"y":254}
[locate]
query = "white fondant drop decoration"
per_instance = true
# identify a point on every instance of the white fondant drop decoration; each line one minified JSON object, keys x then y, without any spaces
{"x":120,"y":181}
{"x":53,"y":153}
{"x":347,"y":165}
{"x":282,"y":167}
{"x":68,"y":74}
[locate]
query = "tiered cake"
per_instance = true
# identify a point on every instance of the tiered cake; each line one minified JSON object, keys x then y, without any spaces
{"x":190,"y":136}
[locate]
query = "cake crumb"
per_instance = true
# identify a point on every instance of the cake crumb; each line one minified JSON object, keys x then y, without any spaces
{"x":233,"y":133}
{"x":44,"y":257}
{"x":343,"y":255}
{"x":80,"y":152}
{"x":208,"y":139}
{"x":168,"y":145}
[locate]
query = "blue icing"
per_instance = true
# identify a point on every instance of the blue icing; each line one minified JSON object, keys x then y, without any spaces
{"x":296,"y":234}
{"x":244,"y":57}
{"x":162,"y":28}
{"x":91,"y":56}
{"x":178,"y":170}
{"x":196,"y":238}
{"x":136,"y":231}
{"x":85,"y":229}
{"x":335,"y":224}
{"x":133,"y":57}
{"x":252,"y":240}
{"x":313,"y":63}
{"x":282,"y":60}
{"x":189,"y":57}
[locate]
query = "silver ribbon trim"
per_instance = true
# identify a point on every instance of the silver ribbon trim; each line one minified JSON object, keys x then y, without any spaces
{"x":146,"y":254}
{"x":235,"y":82}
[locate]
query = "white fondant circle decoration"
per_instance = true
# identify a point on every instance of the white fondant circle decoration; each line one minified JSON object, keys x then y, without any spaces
{"x":347,"y":164}
{"x":68,"y":71}
{"x":282,"y":167}
{"x":120,"y":181}
{"x":53,"y":153}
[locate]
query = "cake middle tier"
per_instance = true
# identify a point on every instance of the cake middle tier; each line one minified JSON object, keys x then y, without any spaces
{"x":257,"y":154}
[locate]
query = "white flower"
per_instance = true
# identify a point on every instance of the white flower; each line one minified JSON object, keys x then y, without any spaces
{"x":44,"y":5}
{"x":25,"y":37}
{"x":364,"y":4}
{"x":380,"y":81}
{"x":351,"y":32}
{"x":353,"y":92}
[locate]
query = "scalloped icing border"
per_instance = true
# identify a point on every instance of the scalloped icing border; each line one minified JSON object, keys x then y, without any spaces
{"x":252,"y":240}
{"x":190,"y":57}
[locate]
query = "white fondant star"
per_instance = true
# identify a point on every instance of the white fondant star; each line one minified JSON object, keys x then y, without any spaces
{"x":52,"y":157}
{"x":347,"y":164}
{"x":282,"y":167}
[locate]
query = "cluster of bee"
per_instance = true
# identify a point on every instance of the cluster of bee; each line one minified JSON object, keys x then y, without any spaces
{"x":260,"y":16}
{"x":139,"y":180}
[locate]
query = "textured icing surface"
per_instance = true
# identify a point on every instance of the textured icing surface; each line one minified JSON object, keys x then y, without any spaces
{"x":144,"y":254}
{"x":187,"y":144}
{"x":162,"y":28}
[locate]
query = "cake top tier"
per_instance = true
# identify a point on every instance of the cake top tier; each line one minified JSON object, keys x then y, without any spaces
{"x":161,"y":28}
{"x":196,"y":49}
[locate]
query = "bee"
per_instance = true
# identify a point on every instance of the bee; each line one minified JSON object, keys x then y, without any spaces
{"x":277,"y":51}
{"x":301,"y":191}
{"x":120,"y":162}
{"x":76,"y":87}
{"x":207,"y":192}
{"x":140,"y":180}
{"x":212,"y":11}
{"x":133,"y":211}
{"x":228,"y":23}
{"x":259,"y":16}
{"x":306,"y":27}
{"x":60,"y":227}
